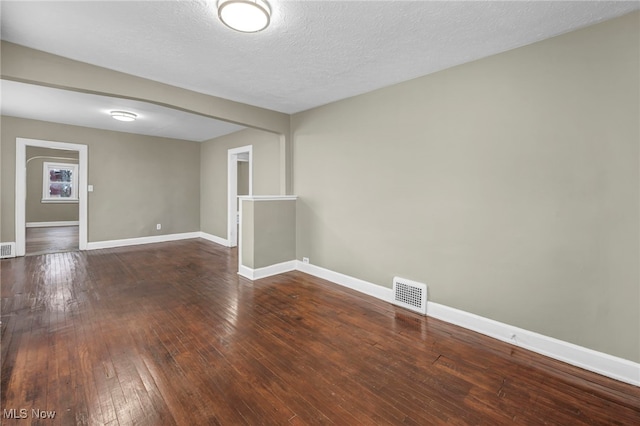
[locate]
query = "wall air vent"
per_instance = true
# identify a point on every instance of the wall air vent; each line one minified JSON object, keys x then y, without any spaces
{"x":7,"y":250}
{"x":410,"y":295}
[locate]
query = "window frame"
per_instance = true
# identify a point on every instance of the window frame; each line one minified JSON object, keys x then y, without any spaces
{"x":46,"y":182}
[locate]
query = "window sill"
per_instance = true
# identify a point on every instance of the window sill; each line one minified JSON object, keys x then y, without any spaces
{"x":59,"y":201}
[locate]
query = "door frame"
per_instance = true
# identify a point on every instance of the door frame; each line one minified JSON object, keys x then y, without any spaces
{"x":21,"y":188}
{"x":233,"y":157}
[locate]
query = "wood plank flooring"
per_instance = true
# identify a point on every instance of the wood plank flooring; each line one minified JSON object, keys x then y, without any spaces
{"x":169,"y":334}
{"x":51,"y":239}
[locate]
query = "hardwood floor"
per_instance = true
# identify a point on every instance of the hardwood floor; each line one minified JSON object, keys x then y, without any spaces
{"x":169,"y":334}
{"x":51,"y":239}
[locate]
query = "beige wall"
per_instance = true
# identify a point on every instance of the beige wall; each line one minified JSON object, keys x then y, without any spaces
{"x":36,"y":210}
{"x":274,"y":232}
{"x":509,"y":185}
{"x":213,"y":184}
{"x":268,"y":232}
{"x":247,"y":237}
{"x":138,"y":181}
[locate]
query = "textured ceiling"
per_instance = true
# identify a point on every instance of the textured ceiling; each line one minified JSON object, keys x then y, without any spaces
{"x":314,"y":52}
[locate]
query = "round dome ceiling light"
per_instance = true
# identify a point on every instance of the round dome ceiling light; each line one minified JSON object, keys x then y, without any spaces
{"x":123,"y":115}
{"x":247,"y":16}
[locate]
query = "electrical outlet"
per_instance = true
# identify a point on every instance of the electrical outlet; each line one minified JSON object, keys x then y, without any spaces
{"x":158,"y":227}
{"x":305,"y":260}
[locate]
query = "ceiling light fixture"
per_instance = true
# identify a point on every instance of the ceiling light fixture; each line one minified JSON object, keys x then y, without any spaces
{"x":124,"y":115}
{"x":247,"y":16}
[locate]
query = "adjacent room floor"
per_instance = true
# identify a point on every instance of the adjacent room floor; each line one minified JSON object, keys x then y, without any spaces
{"x":168,"y":334}
{"x":51,"y":239}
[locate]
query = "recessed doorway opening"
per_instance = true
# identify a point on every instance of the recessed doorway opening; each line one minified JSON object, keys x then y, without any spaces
{"x":80,"y":194}
{"x":235,"y":156}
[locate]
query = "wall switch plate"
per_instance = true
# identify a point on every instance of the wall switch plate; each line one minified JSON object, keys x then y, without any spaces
{"x":305,"y":260}
{"x":158,"y":227}
{"x":90,"y":188}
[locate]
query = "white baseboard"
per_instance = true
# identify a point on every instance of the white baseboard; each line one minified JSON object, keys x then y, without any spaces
{"x":357,"y":284}
{"x":267,"y":271}
{"x":588,"y":359}
{"x":51,"y":224}
{"x":245,"y":272}
{"x":598,"y":362}
{"x":96,"y":245}
{"x":214,"y":239}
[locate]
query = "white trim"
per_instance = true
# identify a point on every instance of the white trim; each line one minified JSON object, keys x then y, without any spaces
{"x":267,"y":271}
{"x":598,"y":362}
{"x":52,"y":224}
{"x":268,"y":197}
{"x":214,"y":239}
{"x":141,"y":240}
{"x":232,"y":188}
{"x":58,"y":201}
{"x":40,"y":157}
{"x":21,"y":188}
{"x":245,"y":272}
{"x":588,"y":359}
{"x":357,"y":284}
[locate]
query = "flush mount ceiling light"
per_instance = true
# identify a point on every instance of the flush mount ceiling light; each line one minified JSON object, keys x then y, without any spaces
{"x":247,"y":16}
{"x":123,"y":115}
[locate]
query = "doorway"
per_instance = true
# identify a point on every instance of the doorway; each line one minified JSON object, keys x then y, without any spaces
{"x":21,"y":187}
{"x":51,"y":201}
{"x":239,"y":159}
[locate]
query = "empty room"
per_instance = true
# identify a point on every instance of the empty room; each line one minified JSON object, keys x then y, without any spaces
{"x":244,"y":212}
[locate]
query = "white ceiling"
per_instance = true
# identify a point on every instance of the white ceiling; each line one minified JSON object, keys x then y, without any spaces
{"x":314,"y":52}
{"x":82,"y":109}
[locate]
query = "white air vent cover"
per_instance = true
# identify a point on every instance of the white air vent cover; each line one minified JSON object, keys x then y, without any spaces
{"x":410,"y":294}
{"x":7,"y":250}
